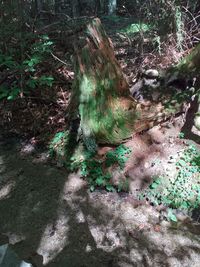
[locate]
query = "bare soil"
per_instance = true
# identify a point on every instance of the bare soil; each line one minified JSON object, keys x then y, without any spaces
{"x":50,"y":218}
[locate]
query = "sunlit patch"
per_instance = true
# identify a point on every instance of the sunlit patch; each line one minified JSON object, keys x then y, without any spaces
{"x":54,"y":238}
{"x":25,"y":264}
{"x":88,"y":248}
{"x":105,"y":238}
{"x":27,"y":148}
{"x":80,"y":217}
{"x":73,"y":184}
{"x":6,"y":189}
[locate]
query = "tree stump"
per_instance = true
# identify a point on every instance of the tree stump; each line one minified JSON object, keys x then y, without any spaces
{"x":106,"y":110}
{"x":108,"y":114}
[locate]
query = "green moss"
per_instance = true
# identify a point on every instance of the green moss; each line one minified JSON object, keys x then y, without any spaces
{"x":97,"y":117}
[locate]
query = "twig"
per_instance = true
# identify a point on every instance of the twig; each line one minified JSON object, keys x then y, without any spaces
{"x":56,"y":58}
{"x":48,"y":26}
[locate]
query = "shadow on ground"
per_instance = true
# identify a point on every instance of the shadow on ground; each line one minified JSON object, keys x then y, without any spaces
{"x":52,"y":220}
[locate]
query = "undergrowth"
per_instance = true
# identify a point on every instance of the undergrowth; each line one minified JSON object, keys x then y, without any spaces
{"x":22,"y":67}
{"x":92,"y":168}
{"x":181,"y":192}
{"x":96,"y":170}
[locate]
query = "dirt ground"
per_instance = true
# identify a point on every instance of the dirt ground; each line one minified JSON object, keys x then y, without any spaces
{"x":50,"y":218}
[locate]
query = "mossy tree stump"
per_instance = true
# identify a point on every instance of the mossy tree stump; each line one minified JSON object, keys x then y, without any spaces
{"x":106,"y":110}
{"x":101,"y":93}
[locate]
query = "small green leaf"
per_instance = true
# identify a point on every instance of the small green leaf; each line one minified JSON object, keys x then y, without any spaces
{"x":110,"y":188}
{"x":100,"y":181}
{"x":92,"y":188}
{"x":182,"y":163}
{"x":181,"y":135}
{"x":171,"y":216}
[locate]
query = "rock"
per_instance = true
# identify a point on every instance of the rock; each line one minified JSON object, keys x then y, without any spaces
{"x":135,"y":90}
{"x":147,"y":165}
{"x":151,"y":73}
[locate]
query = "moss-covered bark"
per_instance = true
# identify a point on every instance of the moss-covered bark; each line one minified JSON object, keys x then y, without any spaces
{"x":107,"y":112}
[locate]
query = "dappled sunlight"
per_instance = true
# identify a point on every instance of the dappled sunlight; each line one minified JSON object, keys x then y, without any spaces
{"x":80,"y":217}
{"x":96,"y":169}
{"x":5,"y":190}
{"x":25,"y":264}
{"x":54,"y":238}
{"x":72,"y":184}
{"x":52,"y":214}
{"x":106,"y":239}
{"x":63,"y":219}
{"x":154,"y":154}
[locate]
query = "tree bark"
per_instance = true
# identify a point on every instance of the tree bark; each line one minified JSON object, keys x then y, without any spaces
{"x":75,"y":8}
{"x":189,"y":68}
{"x":190,"y":65}
{"x":38,"y":6}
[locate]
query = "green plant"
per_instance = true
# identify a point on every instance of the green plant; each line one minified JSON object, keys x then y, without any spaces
{"x":96,"y":173}
{"x":119,"y":155}
{"x":93,"y":171}
{"x":171,"y":216}
{"x":24,"y":69}
{"x":181,"y":135}
{"x":155,"y":183}
{"x":57,"y":146}
{"x":179,"y":28}
{"x":183,"y":190}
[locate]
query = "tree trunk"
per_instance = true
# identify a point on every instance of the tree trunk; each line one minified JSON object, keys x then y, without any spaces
{"x":189,"y":68}
{"x":112,"y":7}
{"x":190,"y":65}
{"x":197,"y":114}
{"x":75,"y":8}
{"x":105,"y":108}
{"x":57,"y":6}
{"x":38,"y":6}
{"x":100,"y":7}
{"x":108,"y":114}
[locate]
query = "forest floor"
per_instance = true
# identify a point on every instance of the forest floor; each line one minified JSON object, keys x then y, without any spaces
{"x":49,"y":216}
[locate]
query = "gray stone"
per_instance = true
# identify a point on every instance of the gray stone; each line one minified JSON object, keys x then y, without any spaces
{"x":152,"y":73}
